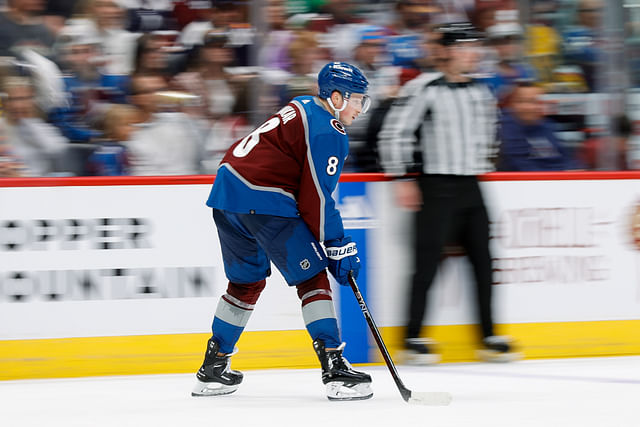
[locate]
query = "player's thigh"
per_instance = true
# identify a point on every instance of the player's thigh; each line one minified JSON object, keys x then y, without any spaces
{"x":289,"y":244}
{"x":244,"y":260}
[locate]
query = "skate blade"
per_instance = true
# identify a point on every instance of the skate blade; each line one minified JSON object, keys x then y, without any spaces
{"x":337,"y":390}
{"x":416,"y":359}
{"x":498,"y":357}
{"x":212,"y":389}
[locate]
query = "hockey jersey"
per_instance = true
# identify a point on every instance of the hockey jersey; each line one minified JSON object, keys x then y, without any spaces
{"x":289,"y":166}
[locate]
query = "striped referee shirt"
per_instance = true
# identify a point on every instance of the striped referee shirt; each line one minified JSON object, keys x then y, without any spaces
{"x":452,"y":126}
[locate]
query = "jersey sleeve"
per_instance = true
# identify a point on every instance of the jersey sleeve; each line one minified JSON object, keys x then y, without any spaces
{"x":326,"y":156}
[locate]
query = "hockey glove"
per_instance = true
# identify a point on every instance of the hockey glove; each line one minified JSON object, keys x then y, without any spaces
{"x":343,"y":258}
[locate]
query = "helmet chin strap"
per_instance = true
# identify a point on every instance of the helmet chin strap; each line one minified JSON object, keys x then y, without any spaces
{"x":336,"y":112}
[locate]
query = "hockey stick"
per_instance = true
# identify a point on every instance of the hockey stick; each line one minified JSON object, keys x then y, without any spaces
{"x":418,"y":398}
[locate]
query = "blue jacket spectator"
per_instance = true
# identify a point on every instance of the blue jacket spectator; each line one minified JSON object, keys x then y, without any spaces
{"x":73,"y":120}
{"x":581,"y":43}
{"x":87,"y":89}
{"x":527,"y":138}
{"x":506,"y":42}
{"x":110,"y":157}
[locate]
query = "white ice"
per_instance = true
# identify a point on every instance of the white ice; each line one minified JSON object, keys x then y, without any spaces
{"x":586,"y":392}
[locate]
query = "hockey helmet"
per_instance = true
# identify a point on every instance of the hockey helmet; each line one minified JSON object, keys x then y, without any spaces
{"x":344,"y":78}
{"x":458,"y":32}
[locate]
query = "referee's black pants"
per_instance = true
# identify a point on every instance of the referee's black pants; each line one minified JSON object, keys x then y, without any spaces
{"x":453,"y":208}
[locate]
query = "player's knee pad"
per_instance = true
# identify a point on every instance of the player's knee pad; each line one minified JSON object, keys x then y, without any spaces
{"x":315,"y":289}
{"x":246,"y":293}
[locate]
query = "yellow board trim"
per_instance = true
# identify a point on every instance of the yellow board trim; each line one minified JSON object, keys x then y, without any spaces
{"x":183,"y":353}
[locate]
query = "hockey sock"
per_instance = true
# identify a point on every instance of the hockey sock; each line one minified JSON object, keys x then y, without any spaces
{"x":318,"y":311}
{"x":233,"y":312}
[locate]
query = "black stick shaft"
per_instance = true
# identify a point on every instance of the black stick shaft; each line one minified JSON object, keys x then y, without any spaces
{"x":405,"y":392}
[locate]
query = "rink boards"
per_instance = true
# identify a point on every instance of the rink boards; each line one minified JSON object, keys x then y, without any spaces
{"x":103,"y":276}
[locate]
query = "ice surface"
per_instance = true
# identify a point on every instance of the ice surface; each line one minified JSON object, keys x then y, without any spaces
{"x":587,"y":392}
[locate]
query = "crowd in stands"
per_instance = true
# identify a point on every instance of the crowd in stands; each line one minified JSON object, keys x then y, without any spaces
{"x":162,"y":87}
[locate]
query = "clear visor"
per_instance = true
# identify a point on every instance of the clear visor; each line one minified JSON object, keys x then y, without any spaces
{"x":363,"y":103}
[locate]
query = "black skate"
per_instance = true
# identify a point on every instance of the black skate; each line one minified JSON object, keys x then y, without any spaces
{"x":419,"y":351}
{"x":498,"y":349}
{"x":215,"y":377}
{"x":342,"y":382}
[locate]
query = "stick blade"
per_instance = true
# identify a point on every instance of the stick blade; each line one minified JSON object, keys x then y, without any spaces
{"x":434,"y":398}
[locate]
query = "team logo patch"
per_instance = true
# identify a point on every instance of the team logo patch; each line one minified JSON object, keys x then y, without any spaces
{"x":305,"y":264}
{"x":338,"y":126}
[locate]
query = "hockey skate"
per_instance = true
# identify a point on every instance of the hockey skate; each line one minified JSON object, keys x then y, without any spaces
{"x":341,"y":380}
{"x":215,"y":377}
{"x":419,"y":352}
{"x":498,"y":349}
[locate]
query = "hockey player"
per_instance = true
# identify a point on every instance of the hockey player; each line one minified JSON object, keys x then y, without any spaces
{"x":272,"y":202}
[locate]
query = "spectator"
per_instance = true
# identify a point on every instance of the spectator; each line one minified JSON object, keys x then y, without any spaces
{"x":187,"y":12}
{"x":385,"y":88}
{"x":201,"y":16}
{"x":505,"y":40}
{"x":486,"y":12}
{"x":22,"y":27}
{"x":338,"y":26}
{"x":110,"y":157}
{"x":166,"y":141}
{"x":527,"y":138}
{"x":410,"y":41}
{"x":34,"y":142}
{"x":152,"y":55}
{"x":342,"y":12}
{"x":223,"y":98}
{"x":412,"y":15}
{"x":581,"y":41}
{"x":303,"y":56}
{"x":542,"y":41}
{"x":57,"y":12}
{"x":371,"y":50}
{"x":370,"y":56}
{"x":149,"y":15}
{"x":226,"y":16}
{"x":87,"y":89}
{"x":274,"y":55}
{"x":104,"y":21}
{"x":10,"y":166}
{"x":223,"y":93}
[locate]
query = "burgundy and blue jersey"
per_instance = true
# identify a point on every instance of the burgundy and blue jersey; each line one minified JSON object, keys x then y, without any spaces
{"x":288,"y":167}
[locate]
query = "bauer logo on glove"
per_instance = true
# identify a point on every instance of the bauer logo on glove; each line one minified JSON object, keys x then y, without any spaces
{"x":338,"y":253}
{"x":342,"y":255}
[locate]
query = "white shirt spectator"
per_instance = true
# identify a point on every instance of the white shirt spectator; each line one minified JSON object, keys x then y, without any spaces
{"x":169,"y":144}
{"x":39,"y":146}
{"x":118,"y":45}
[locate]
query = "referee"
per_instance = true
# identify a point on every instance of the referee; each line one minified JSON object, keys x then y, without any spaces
{"x":443,"y":126}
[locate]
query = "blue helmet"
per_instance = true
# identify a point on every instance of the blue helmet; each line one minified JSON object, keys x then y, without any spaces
{"x":343,"y":77}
